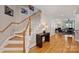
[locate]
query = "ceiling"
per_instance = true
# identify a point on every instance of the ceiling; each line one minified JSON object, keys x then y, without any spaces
{"x":58,"y":11}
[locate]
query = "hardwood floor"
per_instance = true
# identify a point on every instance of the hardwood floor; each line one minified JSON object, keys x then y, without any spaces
{"x":57,"y":44}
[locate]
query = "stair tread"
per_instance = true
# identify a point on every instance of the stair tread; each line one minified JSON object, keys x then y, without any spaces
{"x":20,"y":34}
{"x":12,"y":49}
{"x":20,"y":51}
{"x":14,"y":46}
{"x":16,"y":38}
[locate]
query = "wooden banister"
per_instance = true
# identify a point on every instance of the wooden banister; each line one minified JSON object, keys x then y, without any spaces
{"x":17,"y":22}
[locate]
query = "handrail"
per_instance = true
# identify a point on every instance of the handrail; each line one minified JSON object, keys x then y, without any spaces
{"x":17,"y":22}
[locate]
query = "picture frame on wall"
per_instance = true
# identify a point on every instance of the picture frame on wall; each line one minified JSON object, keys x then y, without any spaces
{"x":24,"y":11}
{"x":9,"y":11}
{"x":31,"y":7}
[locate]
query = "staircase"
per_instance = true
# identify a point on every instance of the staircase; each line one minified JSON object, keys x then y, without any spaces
{"x":14,"y":38}
{"x":15,"y":44}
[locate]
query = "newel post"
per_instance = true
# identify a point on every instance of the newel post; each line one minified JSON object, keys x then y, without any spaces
{"x":30,"y":26}
{"x":24,"y":49}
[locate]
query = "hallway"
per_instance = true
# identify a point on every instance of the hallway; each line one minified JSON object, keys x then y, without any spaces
{"x":57,"y":45}
{"x":30,"y":20}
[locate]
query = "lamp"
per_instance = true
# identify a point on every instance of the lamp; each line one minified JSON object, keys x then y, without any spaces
{"x":44,"y":27}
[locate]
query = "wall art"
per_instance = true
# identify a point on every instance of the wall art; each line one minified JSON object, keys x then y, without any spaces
{"x":24,"y":11}
{"x":9,"y":11}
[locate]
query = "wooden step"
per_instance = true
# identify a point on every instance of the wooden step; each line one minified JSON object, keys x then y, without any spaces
{"x":12,"y":49}
{"x":14,"y":46}
{"x":17,"y":38}
{"x":20,"y":34}
{"x":20,"y":51}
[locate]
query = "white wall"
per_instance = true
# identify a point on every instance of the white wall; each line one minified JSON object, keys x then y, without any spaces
{"x":5,"y":20}
{"x":52,"y":12}
{"x":77,"y":22}
{"x":18,"y":15}
{"x":51,"y":22}
{"x":35,"y":28}
{"x":77,"y":27}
